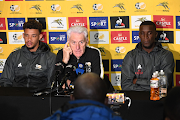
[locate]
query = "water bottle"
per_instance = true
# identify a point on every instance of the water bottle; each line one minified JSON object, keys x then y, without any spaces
{"x":163,"y":84}
{"x":154,"y":84}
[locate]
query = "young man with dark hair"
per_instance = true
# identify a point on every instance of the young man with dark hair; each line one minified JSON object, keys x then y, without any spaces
{"x":33,"y":64}
{"x":148,"y":56}
{"x":87,"y":102}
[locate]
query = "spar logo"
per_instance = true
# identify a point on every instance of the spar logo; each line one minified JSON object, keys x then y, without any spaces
{"x":15,"y":23}
{"x":15,"y":8}
{"x":2,"y":24}
{"x":57,"y":23}
{"x":137,"y":20}
{"x":99,"y":37}
{"x":163,"y":21}
{"x":177,"y":22}
{"x":55,"y":7}
{"x":135,"y":37}
{"x":16,"y":38}
{"x":77,"y":21}
{"x":116,"y":65}
{"x":165,"y":36}
{"x":57,"y":37}
{"x":77,"y":7}
{"x":120,"y":37}
{"x":98,"y":22}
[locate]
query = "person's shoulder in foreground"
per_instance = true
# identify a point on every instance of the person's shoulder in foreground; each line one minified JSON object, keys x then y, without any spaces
{"x":172,"y":104}
{"x":88,"y":101}
{"x":148,"y":56}
{"x":32,"y":65}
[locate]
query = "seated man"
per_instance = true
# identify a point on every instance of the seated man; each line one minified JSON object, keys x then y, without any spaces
{"x":32,"y":65}
{"x":172,"y":104}
{"x":148,"y":56}
{"x":76,"y":51}
{"x":87,"y":101}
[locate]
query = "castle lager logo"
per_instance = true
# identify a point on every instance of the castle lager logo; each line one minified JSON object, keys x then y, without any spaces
{"x":120,"y":37}
{"x":78,"y":21}
{"x":2,"y":24}
{"x":163,"y":21}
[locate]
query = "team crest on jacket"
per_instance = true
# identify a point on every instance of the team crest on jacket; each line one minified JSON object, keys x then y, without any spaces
{"x":39,"y":67}
{"x":139,"y":70}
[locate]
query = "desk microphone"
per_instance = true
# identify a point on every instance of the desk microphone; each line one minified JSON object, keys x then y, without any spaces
{"x":80,"y":69}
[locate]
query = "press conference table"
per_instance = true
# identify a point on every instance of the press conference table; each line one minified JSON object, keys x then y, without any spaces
{"x":20,"y":104}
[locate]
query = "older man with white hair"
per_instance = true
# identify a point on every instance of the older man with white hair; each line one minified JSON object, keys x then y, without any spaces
{"x":76,"y":51}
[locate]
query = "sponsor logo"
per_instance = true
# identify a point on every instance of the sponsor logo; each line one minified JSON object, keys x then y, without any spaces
{"x":41,"y":20}
{"x":37,"y":8}
{"x":139,"y":68}
{"x":106,"y":65}
{"x":56,"y":8}
{"x":120,"y":49}
{"x":137,"y":20}
{"x":80,"y":21}
{"x":57,"y":23}
{"x":163,"y":5}
{"x":78,"y":7}
{"x":177,"y":80}
{"x":166,"y":47}
{"x":16,"y":38}
{"x":140,"y":6}
{"x":98,"y":22}
{"x":15,"y":8}
{"x":3,"y":38}
{"x":58,"y":48}
{"x":19,"y":65}
{"x":12,"y":0}
{"x":2,"y":63}
{"x":0,"y":11}
{"x":165,"y":36}
{"x":119,"y":22}
{"x":177,"y":22}
{"x":97,"y":8}
{"x":102,"y":50}
{"x":57,"y":37}
{"x":163,"y":21}
{"x":15,"y":23}
{"x":120,"y":37}
{"x":116,"y":79}
{"x":44,"y":38}
{"x":116,"y":65}
{"x":135,"y":37}
{"x":2,"y":24}
{"x":177,"y":37}
{"x":38,"y":67}
{"x":177,"y":65}
{"x":120,"y":6}
{"x":99,"y":37}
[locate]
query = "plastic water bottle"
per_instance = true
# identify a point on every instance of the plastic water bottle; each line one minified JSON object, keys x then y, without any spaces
{"x":154,"y":84}
{"x":163,"y":84}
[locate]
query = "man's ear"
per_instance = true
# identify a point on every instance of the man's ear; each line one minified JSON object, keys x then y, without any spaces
{"x":40,"y":36}
{"x":156,"y":34}
{"x":72,"y":97}
{"x":106,"y":101}
{"x":87,"y":41}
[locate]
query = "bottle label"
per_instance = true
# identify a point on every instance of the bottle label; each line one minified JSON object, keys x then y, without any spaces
{"x":154,"y":83}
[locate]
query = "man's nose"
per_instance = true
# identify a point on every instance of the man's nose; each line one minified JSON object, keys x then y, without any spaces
{"x":77,"y":46}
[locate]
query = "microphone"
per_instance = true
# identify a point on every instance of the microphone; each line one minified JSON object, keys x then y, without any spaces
{"x":80,"y":69}
{"x":68,"y":71}
{"x":59,"y":68}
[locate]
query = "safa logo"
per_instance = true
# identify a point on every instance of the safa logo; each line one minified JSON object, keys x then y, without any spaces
{"x":57,"y":37}
{"x":15,"y":23}
{"x":98,"y":22}
{"x":116,"y":65}
{"x":135,"y":37}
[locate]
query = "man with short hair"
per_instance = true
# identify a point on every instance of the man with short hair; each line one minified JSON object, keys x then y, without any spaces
{"x":33,"y":64}
{"x":76,"y":51}
{"x":148,"y":56}
{"x":87,"y":101}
